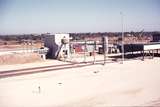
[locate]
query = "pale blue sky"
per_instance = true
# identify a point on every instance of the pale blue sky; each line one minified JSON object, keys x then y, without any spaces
{"x":64,"y":16}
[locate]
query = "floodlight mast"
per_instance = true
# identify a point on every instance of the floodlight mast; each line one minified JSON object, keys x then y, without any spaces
{"x":122,"y":37}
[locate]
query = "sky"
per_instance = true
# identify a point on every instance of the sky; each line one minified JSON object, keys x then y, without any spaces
{"x":75,"y":16}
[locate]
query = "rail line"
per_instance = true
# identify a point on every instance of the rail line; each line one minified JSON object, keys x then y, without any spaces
{"x":18,"y":72}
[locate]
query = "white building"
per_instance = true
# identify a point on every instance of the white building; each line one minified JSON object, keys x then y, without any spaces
{"x":58,"y":45}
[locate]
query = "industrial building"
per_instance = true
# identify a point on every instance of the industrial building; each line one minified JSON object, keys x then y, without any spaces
{"x":58,"y":45}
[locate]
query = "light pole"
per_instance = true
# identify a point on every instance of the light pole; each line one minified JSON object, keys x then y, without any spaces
{"x":122,"y":37}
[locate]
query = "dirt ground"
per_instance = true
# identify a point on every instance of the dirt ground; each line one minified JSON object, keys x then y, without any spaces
{"x":133,"y":83}
{"x":19,"y":58}
{"x":15,"y":44}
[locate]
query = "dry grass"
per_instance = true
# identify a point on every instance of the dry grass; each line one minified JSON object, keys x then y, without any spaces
{"x":15,"y":46}
{"x":19,"y":58}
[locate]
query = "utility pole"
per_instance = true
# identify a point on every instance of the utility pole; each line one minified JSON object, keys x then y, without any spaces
{"x":122,"y":37}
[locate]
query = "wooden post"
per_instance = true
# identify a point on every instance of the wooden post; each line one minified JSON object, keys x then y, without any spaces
{"x":152,"y":54}
{"x":85,"y":48}
{"x":94,"y":48}
{"x":143,"y":55}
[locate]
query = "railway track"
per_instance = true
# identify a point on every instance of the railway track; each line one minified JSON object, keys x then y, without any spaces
{"x":18,"y":72}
